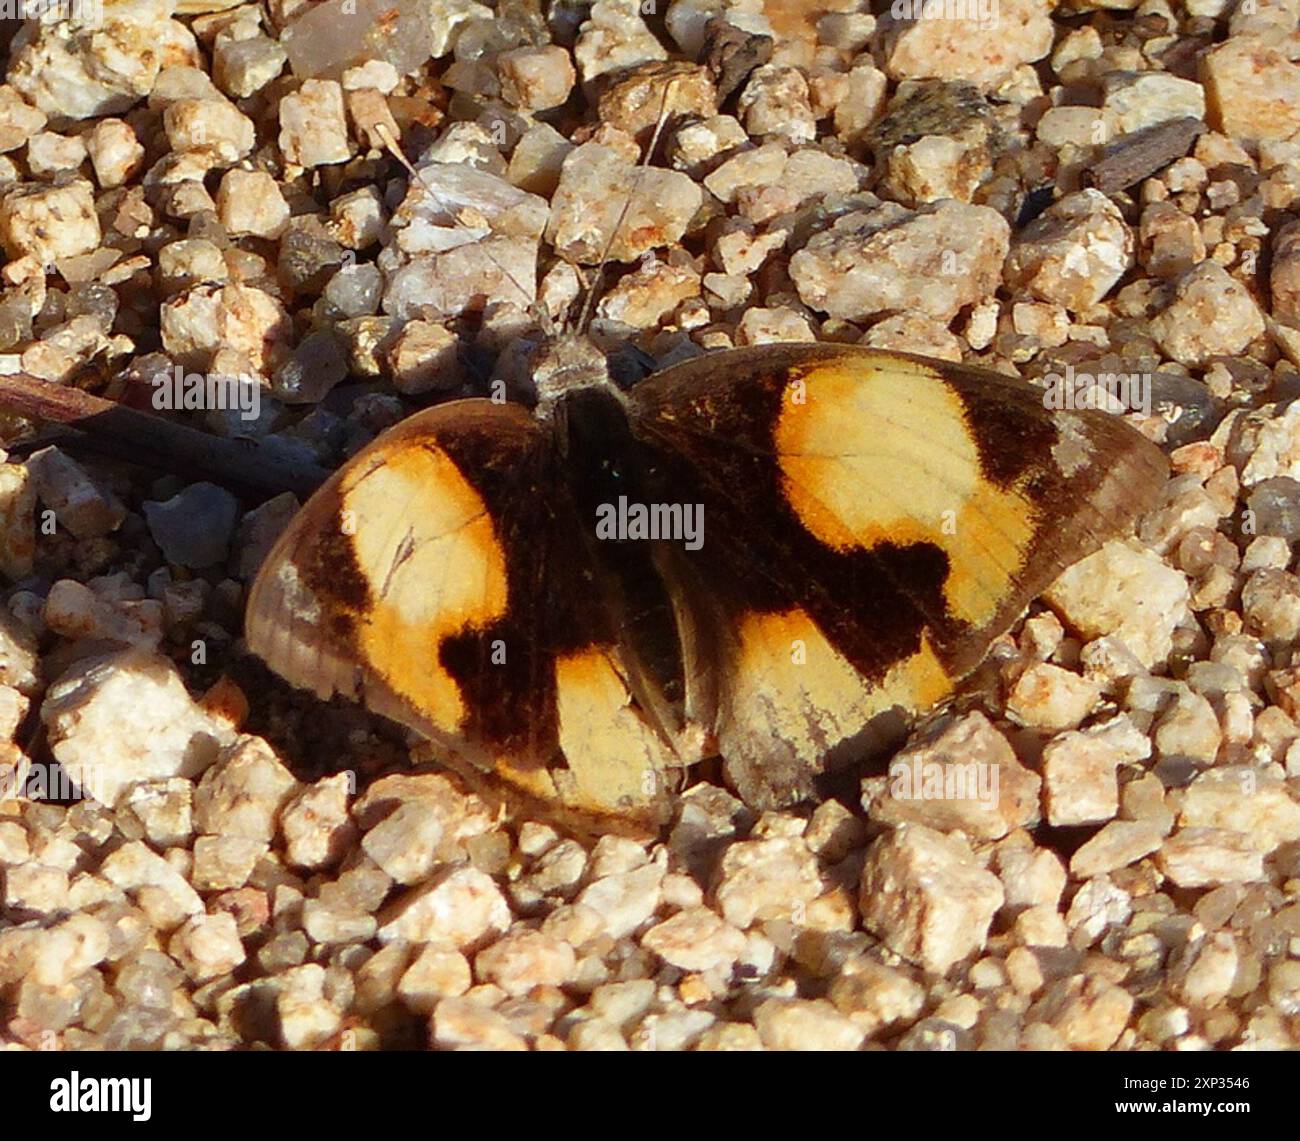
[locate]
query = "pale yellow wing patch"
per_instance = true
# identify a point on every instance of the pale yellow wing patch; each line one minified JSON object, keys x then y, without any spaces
{"x":792,"y":698}
{"x":789,"y":681}
{"x":397,"y":555}
{"x":615,"y":758}
{"x":619,"y":772}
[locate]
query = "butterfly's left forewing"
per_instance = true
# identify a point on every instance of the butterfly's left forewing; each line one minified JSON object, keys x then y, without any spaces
{"x":872,"y":521}
{"x":441,"y":577}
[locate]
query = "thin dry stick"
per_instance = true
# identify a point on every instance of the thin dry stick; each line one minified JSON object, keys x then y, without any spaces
{"x":155,"y":442}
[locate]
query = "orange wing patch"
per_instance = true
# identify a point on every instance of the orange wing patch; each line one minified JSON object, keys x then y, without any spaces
{"x":433,"y":573}
{"x":850,"y":430}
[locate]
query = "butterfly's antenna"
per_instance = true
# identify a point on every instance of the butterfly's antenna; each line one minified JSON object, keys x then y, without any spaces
{"x":395,"y":149}
{"x":588,"y":302}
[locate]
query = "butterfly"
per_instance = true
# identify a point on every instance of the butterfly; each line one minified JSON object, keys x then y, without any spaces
{"x":777,"y":555}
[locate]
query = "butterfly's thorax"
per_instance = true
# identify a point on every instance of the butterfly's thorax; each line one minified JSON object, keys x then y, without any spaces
{"x":598,"y":452}
{"x":596,"y":447}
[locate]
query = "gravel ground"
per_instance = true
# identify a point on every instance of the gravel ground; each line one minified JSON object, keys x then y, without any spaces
{"x":1105,"y":190}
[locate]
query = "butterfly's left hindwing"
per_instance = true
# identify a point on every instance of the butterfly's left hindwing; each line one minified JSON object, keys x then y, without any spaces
{"x":441,"y":577}
{"x":872,"y":522}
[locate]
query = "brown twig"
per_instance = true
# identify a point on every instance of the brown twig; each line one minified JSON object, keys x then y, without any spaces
{"x":150,"y":440}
